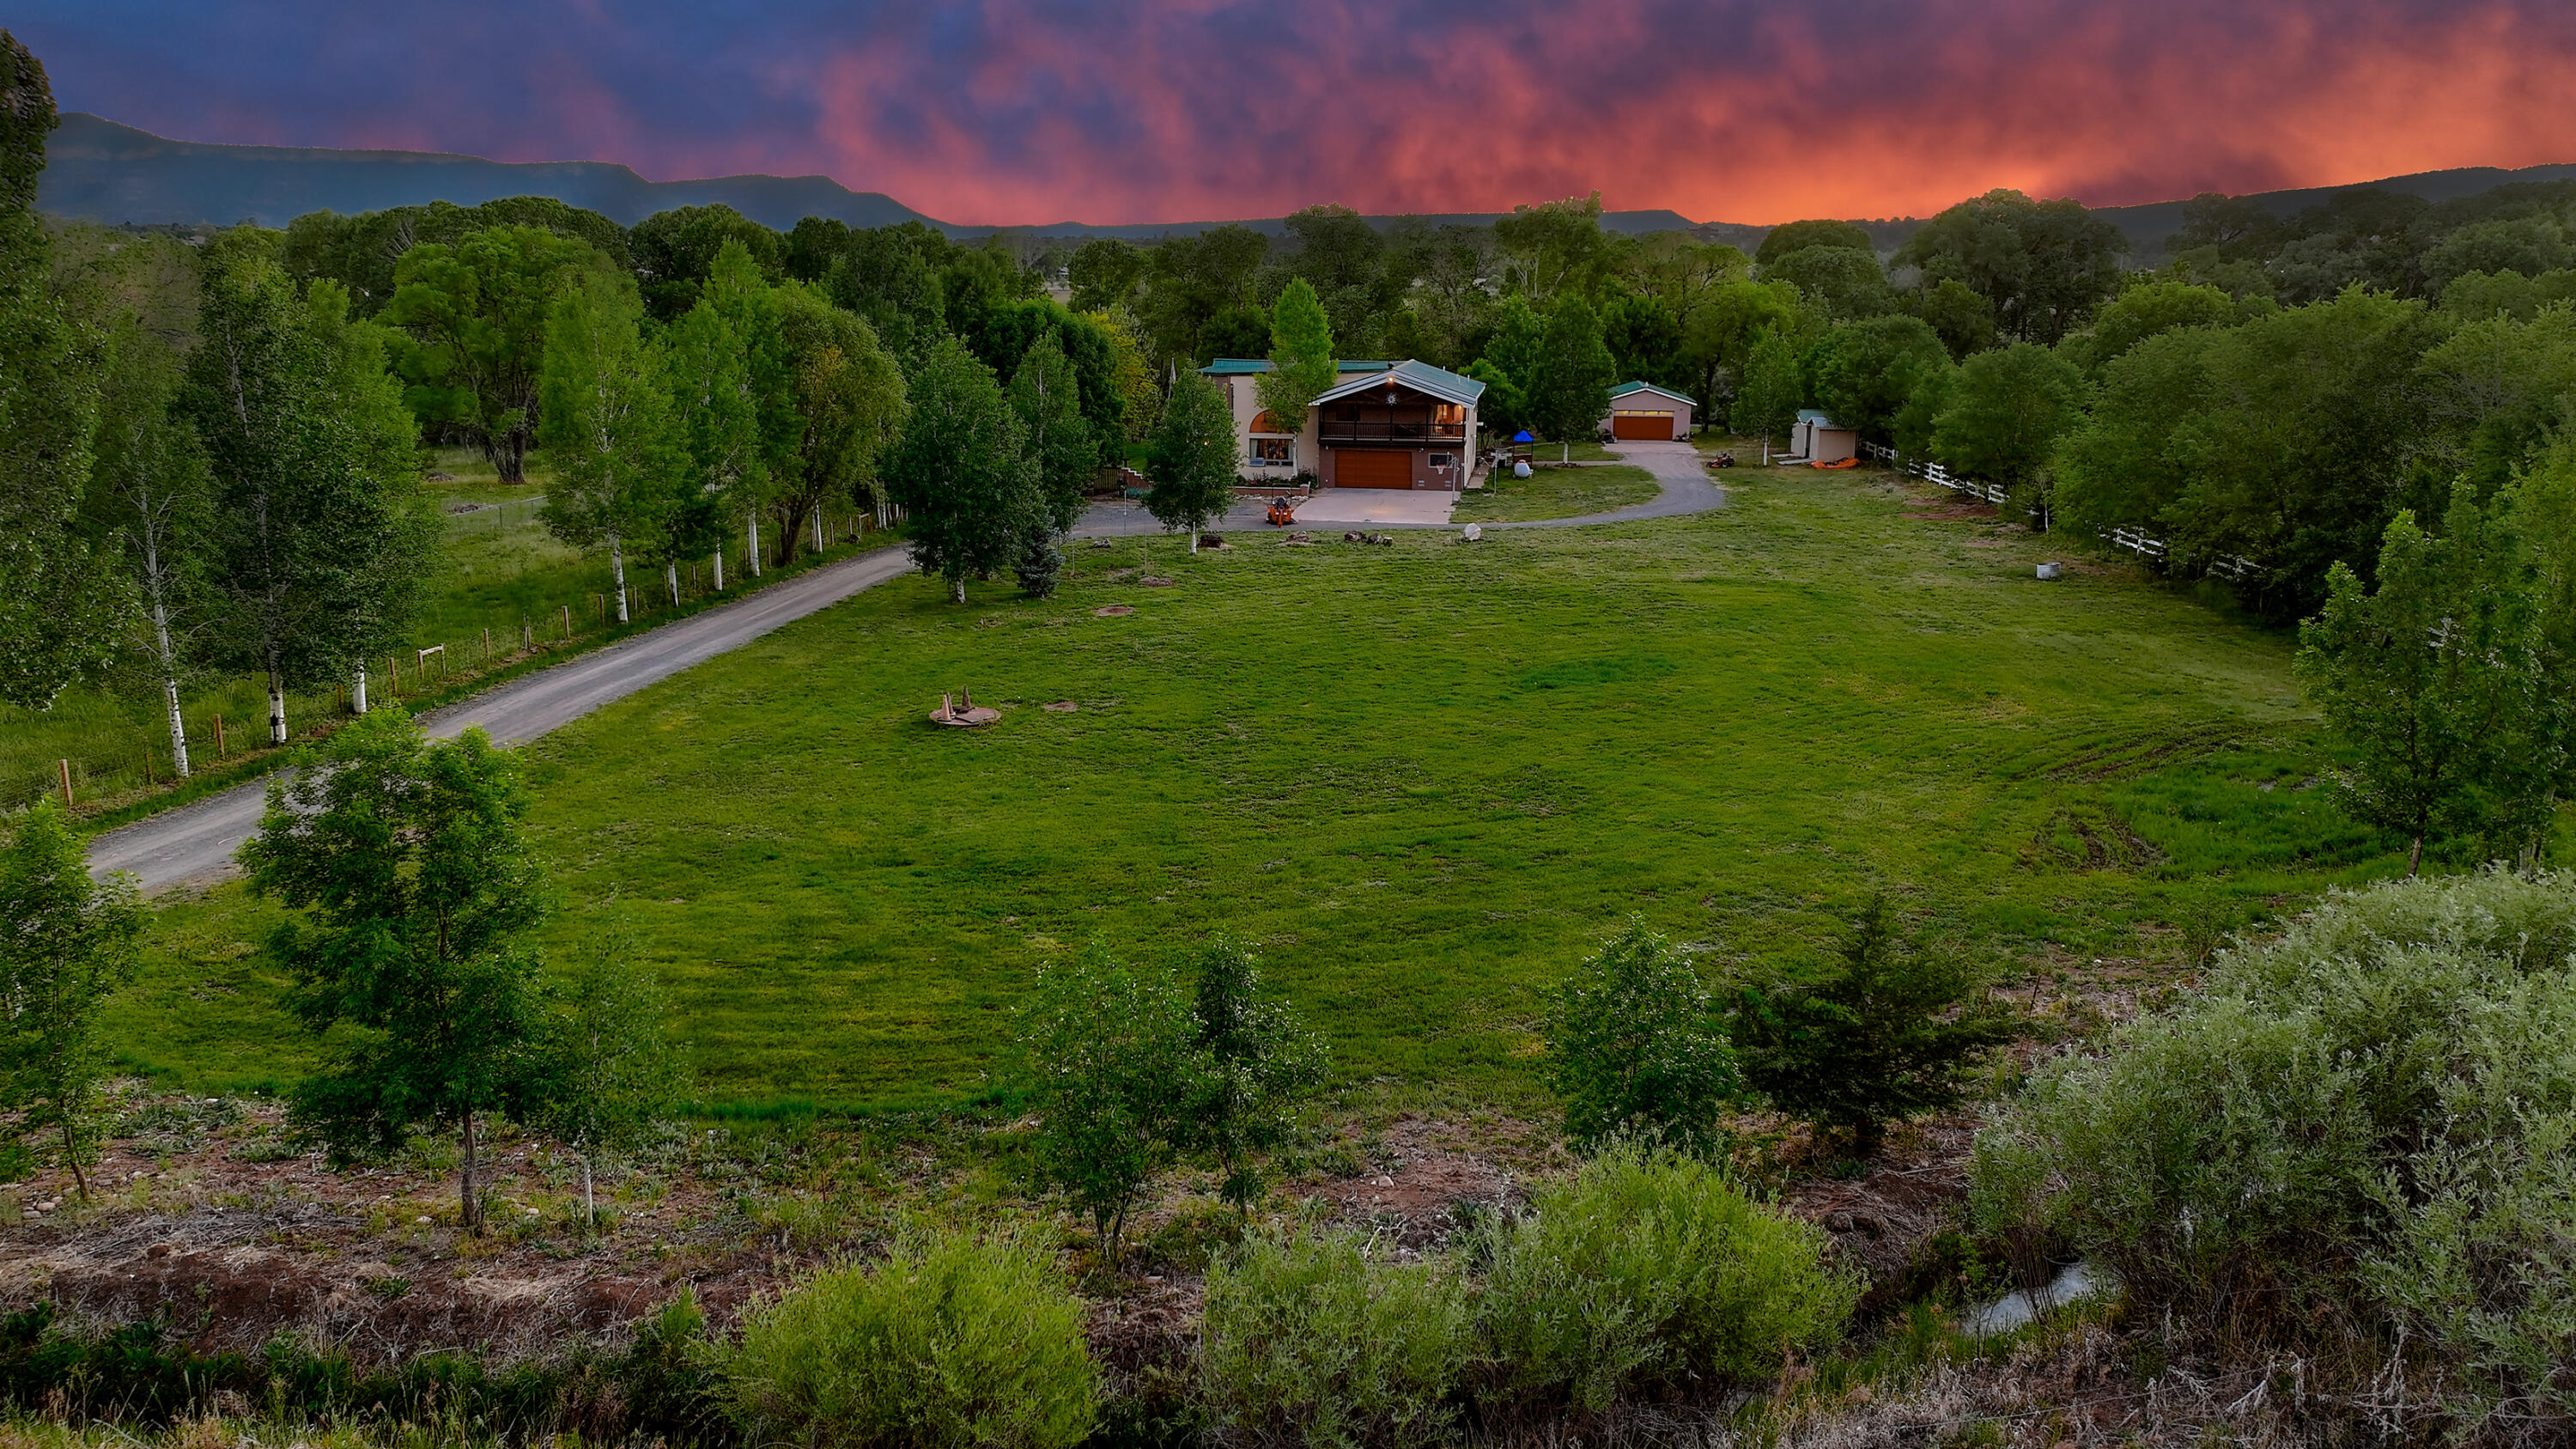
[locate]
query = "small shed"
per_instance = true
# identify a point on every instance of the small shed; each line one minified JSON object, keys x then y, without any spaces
{"x":1646,"y":413}
{"x":1816,"y":438}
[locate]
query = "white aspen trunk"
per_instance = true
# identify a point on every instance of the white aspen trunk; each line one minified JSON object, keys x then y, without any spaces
{"x":358,"y":691}
{"x":818,"y":530}
{"x":752,"y":531}
{"x":957,"y":588}
{"x":719,"y":571}
{"x":471,"y":1209}
{"x":617,"y":571}
{"x":589,"y":1204}
{"x":178,"y":730}
{"x":1194,"y":541}
{"x":276,"y":708}
{"x":671,"y":576}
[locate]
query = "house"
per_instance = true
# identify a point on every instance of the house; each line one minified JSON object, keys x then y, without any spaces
{"x":1383,"y":425}
{"x":1647,"y":413}
{"x":1816,"y":438}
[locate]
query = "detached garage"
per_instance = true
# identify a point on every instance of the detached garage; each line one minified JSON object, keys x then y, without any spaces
{"x":1643,"y":412}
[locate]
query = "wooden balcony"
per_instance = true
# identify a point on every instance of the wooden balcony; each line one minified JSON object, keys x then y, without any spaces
{"x":1389,"y":430}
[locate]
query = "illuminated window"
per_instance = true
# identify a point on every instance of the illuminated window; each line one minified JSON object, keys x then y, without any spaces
{"x":1274,"y":452}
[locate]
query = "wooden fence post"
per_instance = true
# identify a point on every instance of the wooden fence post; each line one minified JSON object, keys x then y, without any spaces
{"x":219,"y":739}
{"x":66,"y":767}
{"x":487,"y":642}
{"x":567,"y":618}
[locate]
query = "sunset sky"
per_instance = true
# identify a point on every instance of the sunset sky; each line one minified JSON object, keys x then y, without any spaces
{"x":1030,"y":111}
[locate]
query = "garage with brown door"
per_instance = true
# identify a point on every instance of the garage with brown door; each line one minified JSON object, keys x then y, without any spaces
{"x":1642,"y":427}
{"x":1372,"y":468}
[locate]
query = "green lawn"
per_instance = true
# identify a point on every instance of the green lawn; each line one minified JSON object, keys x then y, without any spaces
{"x":1421,"y":779}
{"x":1556,"y":493}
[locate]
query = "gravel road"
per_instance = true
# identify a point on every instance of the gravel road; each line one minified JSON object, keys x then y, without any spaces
{"x":196,"y":842}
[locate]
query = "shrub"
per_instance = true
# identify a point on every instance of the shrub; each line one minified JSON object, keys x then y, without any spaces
{"x":1648,"y":1270}
{"x":1637,"y":1048}
{"x":1320,"y":1340}
{"x":951,"y":1340}
{"x":2365,"y":1124}
{"x":1885,"y":1035}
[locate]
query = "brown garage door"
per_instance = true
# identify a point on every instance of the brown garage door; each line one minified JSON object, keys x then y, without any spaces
{"x":1372,"y":469}
{"x":1655,"y":426}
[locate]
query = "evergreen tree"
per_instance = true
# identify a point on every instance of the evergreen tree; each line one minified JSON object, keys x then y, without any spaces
{"x":606,"y":425}
{"x":1885,"y":1034}
{"x":1569,"y":389}
{"x":1302,"y":365}
{"x":960,"y":473}
{"x":407,"y":865}
{"x":1191,"y":460}
{"x":1059,"y":438}
{"x":67,"y":943}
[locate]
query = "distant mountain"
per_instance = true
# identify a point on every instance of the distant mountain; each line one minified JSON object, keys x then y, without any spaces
{"x":2147,"y":226}
{"x":101,"y":171}
{"x":98,"y":170}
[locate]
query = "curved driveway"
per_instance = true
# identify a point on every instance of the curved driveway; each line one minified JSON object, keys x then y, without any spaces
{"x":1678,"y":471}
{"x":197,"y":841}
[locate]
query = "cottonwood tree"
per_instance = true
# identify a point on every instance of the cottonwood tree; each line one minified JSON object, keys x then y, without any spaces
{"x":59,"y":610}
{"x":849,"y":405}
{"x":1191,"y":460}
{"x":2434,"y":680}
{"x":1766,"y":393}
{"x":318,"y":542}
{"x":1569,"y":388}
{"x":2002,"y":419}
{"x":1104,"y":1047}
{"x":1302,"y":366}
{"x":610,"y":1071}
{"x":476,"y":312}
{"x":606,"y":425}
{"x":1884,"y":1034}
{"x":150,"y":493}
{"x":1252,"y":1062}
{"x":67,"y":943}
{"x":1637,"y":1047}
{"x":959,"y":470}
{"x":414,"y":893}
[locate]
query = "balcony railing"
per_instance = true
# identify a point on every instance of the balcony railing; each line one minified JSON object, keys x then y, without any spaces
{"x":1385,"y":432}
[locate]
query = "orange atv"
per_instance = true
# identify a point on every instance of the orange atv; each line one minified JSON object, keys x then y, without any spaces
{"x":1282,"y":512}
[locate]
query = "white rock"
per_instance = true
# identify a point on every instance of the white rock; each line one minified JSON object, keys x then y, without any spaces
{"x":1474,"y":531}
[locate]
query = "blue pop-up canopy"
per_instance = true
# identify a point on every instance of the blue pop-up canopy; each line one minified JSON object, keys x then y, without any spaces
{"x":1523,"y":436}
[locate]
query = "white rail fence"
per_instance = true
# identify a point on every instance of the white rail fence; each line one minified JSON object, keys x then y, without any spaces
{"x":2232,"y":567}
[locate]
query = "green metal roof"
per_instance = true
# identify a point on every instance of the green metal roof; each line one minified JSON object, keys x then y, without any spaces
{"x":1629,"y":387}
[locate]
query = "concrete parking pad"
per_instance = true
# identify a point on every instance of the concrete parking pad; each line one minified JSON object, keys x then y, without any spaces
{"x":1418,"y":507}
